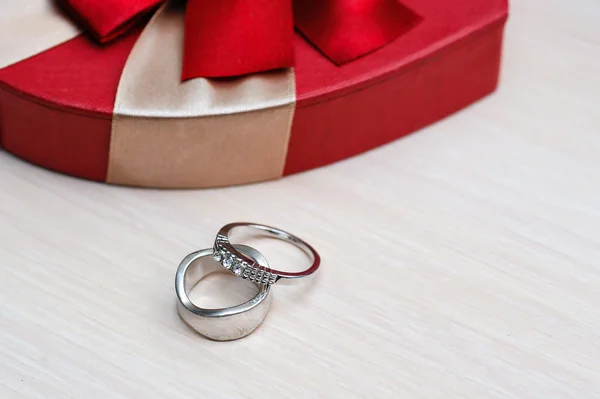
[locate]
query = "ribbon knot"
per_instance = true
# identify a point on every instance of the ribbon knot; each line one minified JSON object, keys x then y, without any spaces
{"x":226,"y":38}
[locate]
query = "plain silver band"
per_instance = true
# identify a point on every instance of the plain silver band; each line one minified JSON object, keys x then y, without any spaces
{"x":223,"y":324}
{"x":254,"y":271}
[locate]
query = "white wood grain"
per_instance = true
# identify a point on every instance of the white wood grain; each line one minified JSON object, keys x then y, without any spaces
{"x":460,"y":262}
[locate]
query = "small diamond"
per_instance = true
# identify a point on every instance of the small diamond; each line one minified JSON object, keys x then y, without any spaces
{"x":237,"y":269}
{"x":217,"y":255}
{"x":227,"y":260}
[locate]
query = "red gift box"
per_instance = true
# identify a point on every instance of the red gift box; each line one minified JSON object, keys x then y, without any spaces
{"x":114,"y":112}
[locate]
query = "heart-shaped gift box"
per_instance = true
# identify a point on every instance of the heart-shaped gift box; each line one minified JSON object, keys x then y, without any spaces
{"x":119,"y":112}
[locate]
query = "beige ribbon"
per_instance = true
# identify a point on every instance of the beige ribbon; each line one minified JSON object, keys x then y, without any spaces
{"x":29,"y":27}
{"x":198,"y":133}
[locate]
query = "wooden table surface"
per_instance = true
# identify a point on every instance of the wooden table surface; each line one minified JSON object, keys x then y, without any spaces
{"x":460,"y":262}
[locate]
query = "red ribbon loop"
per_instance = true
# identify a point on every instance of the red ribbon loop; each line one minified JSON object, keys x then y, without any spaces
{"x":347,"y":29}
{"x":106,"y":20}
{"x":238,"y":37}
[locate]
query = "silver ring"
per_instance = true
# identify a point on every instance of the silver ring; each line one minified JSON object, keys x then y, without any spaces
{"x":244,"y":266}
{"x":224,"y":324}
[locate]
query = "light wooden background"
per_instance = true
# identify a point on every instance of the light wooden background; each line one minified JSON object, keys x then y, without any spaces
{"x":460,"y":262}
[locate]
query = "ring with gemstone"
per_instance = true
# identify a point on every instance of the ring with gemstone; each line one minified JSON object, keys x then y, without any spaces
{"x":223,"y":324}
{"x":244,"y":266}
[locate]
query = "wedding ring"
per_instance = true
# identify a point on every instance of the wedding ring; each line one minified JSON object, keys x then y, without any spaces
{"x":224,"y":324}
{"x":244,"y":266}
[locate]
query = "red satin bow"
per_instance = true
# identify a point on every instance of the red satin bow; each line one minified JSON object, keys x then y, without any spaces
{"x":239,"y":37}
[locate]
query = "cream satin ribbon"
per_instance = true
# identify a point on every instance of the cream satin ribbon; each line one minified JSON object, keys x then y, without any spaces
{"x":28,"y":27}
{"x":198,"y":133}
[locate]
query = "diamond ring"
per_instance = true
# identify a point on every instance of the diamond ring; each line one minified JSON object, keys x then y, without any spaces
{"x":246,"y":267}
